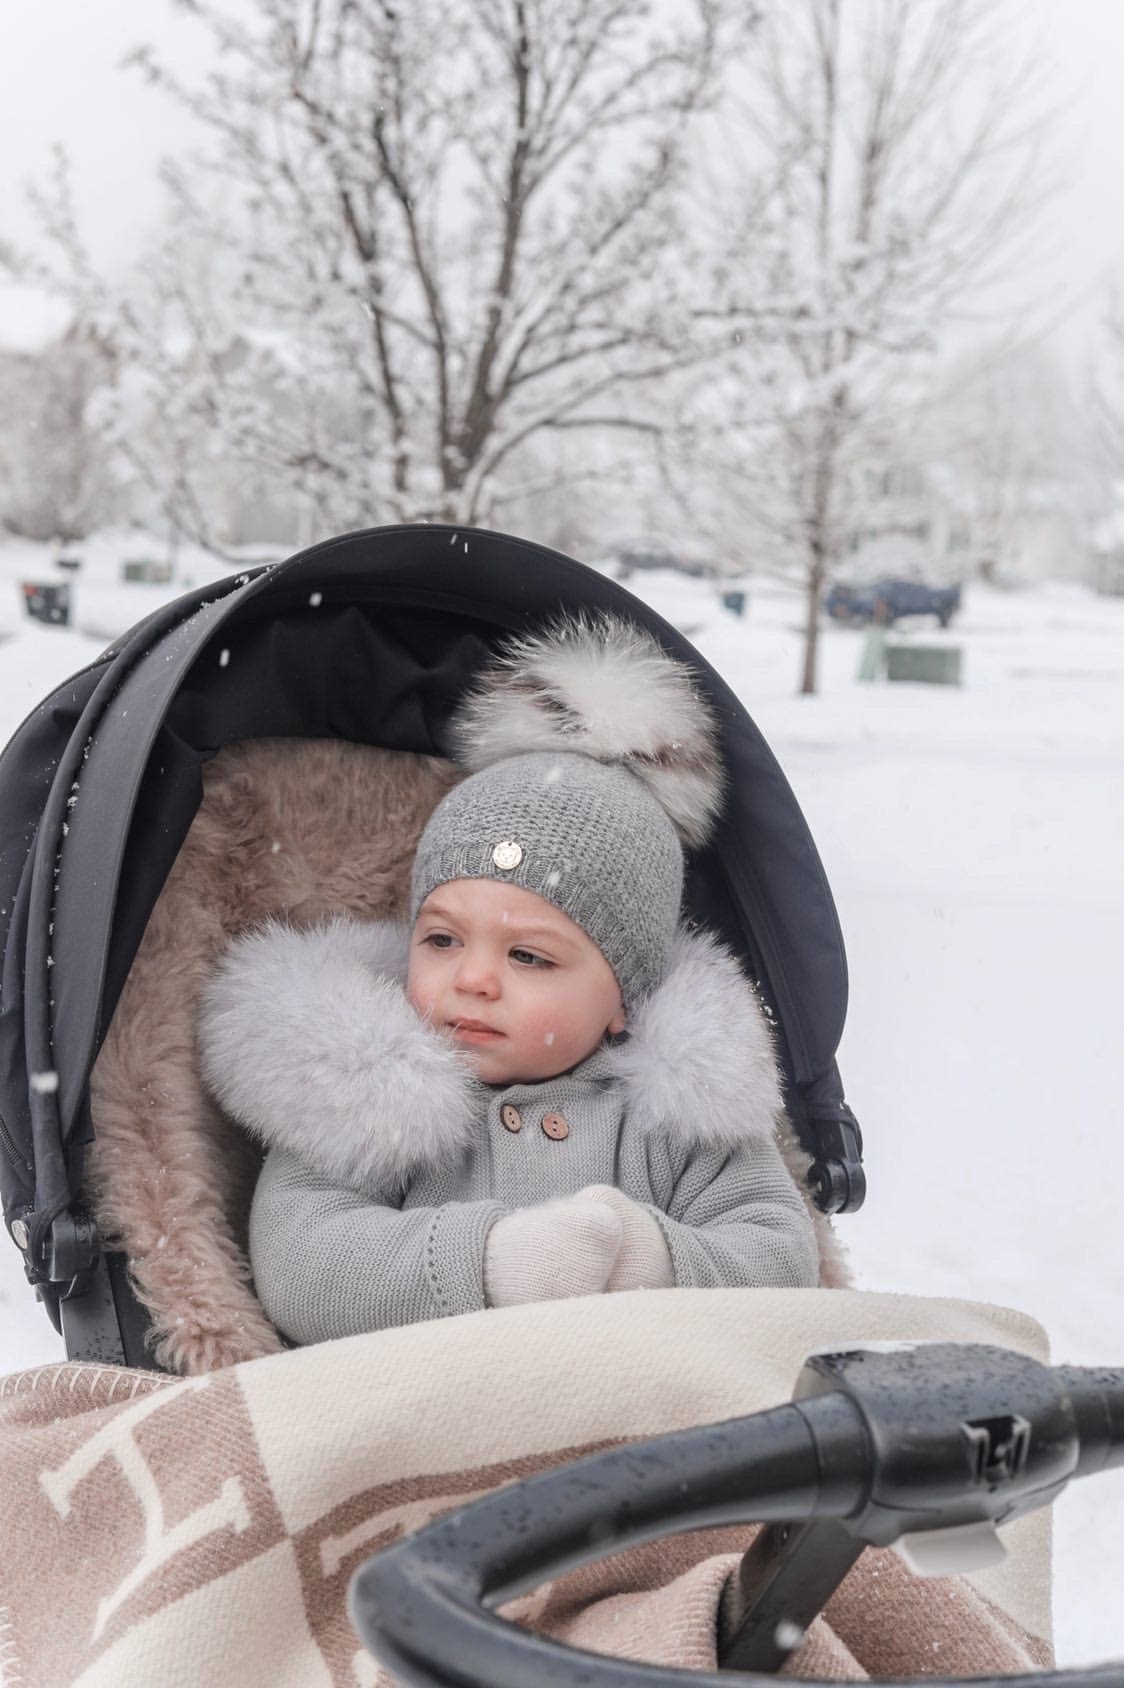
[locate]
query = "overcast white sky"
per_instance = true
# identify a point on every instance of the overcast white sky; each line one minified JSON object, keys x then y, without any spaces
{"x":61,"y":81}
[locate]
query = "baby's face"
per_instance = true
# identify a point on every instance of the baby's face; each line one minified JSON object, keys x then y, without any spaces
{"x":517,"y":985}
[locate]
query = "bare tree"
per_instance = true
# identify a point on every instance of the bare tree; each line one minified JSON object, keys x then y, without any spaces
{"x":430,"y":234}
{"x":893,"y":164}
{"x":58,"y":477}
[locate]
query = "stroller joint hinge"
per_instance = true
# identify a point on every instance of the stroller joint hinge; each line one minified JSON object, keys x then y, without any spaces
{"x":836,"y":1174}
{"x":73,"y":1250}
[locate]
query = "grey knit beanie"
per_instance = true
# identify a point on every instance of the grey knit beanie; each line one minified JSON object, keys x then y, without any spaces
{"x":595,"y":761}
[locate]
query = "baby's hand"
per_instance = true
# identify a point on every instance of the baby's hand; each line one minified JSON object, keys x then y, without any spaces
{"x":551,"y":1251}
{"x":642,"y":1259}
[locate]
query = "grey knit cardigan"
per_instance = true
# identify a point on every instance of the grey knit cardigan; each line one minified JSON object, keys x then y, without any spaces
{"x":388,"y":1162}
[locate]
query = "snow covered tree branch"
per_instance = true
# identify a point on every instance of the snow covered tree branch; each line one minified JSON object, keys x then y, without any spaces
{"x":421,"y":237}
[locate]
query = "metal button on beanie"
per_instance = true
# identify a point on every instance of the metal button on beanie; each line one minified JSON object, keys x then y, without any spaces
{"x":592,"y":761}
{"x":592,"y":841}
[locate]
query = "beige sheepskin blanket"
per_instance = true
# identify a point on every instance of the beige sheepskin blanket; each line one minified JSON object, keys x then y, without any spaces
{"x":301,"y":829}
{"x":203,"y":1531}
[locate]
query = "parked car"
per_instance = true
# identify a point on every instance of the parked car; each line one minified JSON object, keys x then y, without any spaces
{"x":886,"y":601}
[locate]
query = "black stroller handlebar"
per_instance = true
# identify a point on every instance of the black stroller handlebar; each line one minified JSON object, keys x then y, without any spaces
{"x":881,"y":1442}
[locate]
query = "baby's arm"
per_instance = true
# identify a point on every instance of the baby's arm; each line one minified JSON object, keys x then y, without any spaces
{"x":329,"y":1261}
{"x":739,"y":1221}
{"x":733,"y":1221}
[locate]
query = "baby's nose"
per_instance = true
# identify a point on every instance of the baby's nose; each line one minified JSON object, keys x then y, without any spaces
{"x":477,"y":976}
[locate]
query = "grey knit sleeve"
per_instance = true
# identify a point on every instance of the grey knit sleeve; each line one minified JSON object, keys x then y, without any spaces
{"x":738,"y":1221}
{"x":329,"y":1261}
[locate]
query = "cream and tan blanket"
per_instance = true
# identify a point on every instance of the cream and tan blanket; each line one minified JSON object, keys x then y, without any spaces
{"x":204,"y":1530}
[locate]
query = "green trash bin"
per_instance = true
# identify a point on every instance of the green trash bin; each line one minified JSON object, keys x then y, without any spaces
{"x":928,"y":665}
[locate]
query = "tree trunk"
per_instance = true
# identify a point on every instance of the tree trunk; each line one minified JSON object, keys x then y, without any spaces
{"x":813,"y":600}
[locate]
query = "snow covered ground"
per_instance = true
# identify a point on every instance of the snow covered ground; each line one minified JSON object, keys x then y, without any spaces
{"x":973,"y":840}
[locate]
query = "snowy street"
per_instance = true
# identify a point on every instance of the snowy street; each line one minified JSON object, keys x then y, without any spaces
{"x":972,"y":838}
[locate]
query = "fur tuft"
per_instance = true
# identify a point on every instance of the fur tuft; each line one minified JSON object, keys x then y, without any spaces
{"x":699,"y":1067}
{"x":307,"y":1040}
{"x":604,"y":688}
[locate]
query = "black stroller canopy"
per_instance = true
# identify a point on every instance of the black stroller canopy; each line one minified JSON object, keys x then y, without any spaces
{"x":370,"y":637}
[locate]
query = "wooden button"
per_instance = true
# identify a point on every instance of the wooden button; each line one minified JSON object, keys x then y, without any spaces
{"x":555,"y":1126}
{"x":511,"y":1117}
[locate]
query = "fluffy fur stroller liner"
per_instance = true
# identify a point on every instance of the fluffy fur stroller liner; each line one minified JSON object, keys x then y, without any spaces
{"x":289,"y":828}
{"x":303,"y":1463}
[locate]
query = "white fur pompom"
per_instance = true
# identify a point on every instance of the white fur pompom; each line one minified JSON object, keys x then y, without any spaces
{"x":603,"y":688}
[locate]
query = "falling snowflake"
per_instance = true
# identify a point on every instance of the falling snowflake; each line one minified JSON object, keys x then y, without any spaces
{"x":788,"y":1635}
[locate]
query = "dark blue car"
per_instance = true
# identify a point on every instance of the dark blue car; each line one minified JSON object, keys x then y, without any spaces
{"x":886,"y":600}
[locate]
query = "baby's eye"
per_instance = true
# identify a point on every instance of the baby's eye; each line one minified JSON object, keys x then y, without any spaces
{"x":439,"y":940}
{"x":528,"y":958}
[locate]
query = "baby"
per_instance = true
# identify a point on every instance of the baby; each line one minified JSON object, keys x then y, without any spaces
{"x":547,"y":1086}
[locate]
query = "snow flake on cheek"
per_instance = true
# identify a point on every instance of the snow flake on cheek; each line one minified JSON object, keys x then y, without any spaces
{"x":548,"y":1039}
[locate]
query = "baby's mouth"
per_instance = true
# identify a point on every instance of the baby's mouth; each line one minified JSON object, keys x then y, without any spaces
{"x":473,"y":1031}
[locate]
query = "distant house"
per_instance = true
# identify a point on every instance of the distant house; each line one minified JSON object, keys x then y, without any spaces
{"x":1108,"y":554}
{"x":931,"y":520}
{"x":905,"y":522}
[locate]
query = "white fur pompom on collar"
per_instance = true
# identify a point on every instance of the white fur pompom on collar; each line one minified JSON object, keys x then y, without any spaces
{"x":604,"y":688}
{"x":308,"y":1040}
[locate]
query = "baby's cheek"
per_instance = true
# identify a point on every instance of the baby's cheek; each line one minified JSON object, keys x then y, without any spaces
{"x":542,"y":1027}
{"x":419,"y":993}
{"x":557,"y":1033}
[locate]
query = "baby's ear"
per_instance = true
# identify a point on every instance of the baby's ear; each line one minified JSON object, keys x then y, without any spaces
{"x":618,"y":1023}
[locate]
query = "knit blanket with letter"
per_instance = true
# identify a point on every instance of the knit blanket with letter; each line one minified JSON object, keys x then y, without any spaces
{"x":204,"y":1530}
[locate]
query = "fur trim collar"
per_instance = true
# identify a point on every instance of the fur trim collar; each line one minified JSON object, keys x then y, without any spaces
{"x":699,"y":1066}
{"x":307,"y":1039}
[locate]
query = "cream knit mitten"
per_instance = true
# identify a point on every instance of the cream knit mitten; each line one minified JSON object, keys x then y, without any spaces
{"x":551,"y":1251}
{"x":643,"y":1260}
